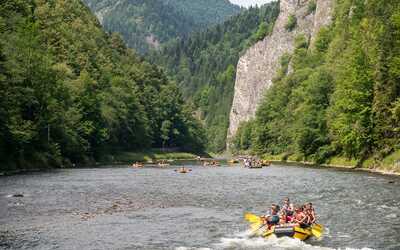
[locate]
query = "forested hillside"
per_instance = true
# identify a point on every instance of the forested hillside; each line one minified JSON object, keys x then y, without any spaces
{"x":148,"y":24}
{"x":205,"y":12}
{"x":340,"y":97}
{"x":70,"y":92}
{"x":204,"y":66}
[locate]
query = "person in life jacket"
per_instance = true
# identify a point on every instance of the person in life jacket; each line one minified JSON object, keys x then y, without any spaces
{"x":288,"y":209}
{"x":283,"y":217}
{"x":273,"y":218}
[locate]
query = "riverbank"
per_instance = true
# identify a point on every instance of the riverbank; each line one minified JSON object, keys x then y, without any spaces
{"x":124,"y":157}
{"x":147,"y":156}
{"x":390,"y":165}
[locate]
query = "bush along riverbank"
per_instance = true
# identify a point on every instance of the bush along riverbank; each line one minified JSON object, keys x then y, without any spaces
{"x":148,"y":156}
{"x":119,"y":157}
{"x":388,"y":165}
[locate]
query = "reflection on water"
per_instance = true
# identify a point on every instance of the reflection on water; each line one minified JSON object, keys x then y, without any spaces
{"x":153,"y":208}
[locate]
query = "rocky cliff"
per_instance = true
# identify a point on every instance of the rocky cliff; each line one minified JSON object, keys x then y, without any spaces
{"x":257,"y":67}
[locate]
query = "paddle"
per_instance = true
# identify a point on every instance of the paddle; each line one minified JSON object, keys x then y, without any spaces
{"x":257,"y":223}
{"x":252,"y":218}
{"x":317,"y":230}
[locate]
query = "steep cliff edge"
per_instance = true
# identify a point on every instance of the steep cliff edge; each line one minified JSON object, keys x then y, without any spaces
{"x":257,"y":67}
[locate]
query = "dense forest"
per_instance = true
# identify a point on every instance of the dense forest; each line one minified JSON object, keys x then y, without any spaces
{"x":148,"y":24}
{"x":70,"y":92}
{"x":338,"y":97}
{"x":204,"y":66}
{"x":206,"y":12}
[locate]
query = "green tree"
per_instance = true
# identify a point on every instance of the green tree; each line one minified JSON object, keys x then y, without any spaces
{"x":291,"y":23}
{"x":70,"y":92}
{"x":341,"y":96}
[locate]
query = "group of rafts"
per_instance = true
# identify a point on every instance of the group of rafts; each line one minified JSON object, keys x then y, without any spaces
{"x":289,"y":221}
{"x":162,"y":164}
{"x":254,"y":163}
{"x":249,"y":163}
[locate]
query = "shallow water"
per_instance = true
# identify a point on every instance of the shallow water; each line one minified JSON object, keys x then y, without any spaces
{"x":151,"y":208}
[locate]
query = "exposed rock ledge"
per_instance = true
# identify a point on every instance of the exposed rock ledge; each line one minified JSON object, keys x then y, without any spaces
{"x":257,"y":67}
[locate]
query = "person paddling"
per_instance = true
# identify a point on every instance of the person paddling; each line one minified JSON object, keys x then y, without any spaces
{"x":283,"y":217}
{"x":288,"y":209}
{"x":310,"y":213}
{"x":273,"y":218}
{"x":300,"y":217}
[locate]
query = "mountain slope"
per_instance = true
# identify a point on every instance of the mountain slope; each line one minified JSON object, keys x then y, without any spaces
{"x":258,"y":66}
{"x":70,"y":92}
{"x":338,"y":97}
{"x":205,"y":12}
{"x":204,"y":65}
{"x":147,"y":24}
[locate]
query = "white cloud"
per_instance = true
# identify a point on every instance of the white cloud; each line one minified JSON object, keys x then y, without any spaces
{"x":247,"y":3}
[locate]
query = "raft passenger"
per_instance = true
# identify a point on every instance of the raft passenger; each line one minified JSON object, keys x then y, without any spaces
{"x":283,"y":217}
{"x":300,"y":217}
{"x":310,"y":213}
{"x":273,"y":218}
{"x":288,"y":208}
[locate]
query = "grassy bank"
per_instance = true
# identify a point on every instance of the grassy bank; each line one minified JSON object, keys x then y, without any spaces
{"x":115,"y":158}
{"x":147,"y":156}
{"x":388,"y":165}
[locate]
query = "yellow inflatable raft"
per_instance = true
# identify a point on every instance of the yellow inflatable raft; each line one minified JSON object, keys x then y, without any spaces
{"x":288,"y":230}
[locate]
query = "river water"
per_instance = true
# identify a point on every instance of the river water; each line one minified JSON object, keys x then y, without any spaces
{"x":152,"y":208}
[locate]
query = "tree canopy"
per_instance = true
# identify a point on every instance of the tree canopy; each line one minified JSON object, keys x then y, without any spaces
{"x":342,"y":96}
{"x":147,"y":24}
{"x":70,"y":92}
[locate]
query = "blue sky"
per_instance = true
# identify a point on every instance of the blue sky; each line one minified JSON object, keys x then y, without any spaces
{"x":247,"y":3}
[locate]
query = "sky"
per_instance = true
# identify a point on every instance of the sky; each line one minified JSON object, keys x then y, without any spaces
{"x":247,"y":3}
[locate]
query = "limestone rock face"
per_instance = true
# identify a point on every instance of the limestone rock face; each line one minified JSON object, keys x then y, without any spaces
{"x":257,"y":67}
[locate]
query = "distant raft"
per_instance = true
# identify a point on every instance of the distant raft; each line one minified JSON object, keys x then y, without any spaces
{"x":163,"y":165}
{"x":137,"y":165}
{"x":211,"y":164}
{"x":265,"y":163}
{"x":183,"y":170}
{"x":256,"y":166}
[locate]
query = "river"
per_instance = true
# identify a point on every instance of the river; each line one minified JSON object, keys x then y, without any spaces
{"x":152,"y":208}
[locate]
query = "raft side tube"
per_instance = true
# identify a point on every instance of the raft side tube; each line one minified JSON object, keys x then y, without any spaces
{"x":289,"y":231}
